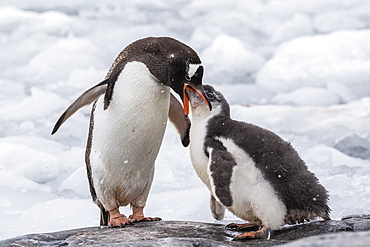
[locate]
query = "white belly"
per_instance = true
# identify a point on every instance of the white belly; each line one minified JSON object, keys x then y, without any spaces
{"x":254,"y":199}
{"x":127,"y":137}
{"x":198,"y":157}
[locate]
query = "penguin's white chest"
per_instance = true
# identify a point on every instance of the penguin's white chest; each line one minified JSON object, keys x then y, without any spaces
{"x":199,"y":159}
{"x":127,"y":136}
{"x":253,"y":196}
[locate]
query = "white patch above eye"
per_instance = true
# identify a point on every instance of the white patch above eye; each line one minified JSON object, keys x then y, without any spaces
{"x":192,"y":69}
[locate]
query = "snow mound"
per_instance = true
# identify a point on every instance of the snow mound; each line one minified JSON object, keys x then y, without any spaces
{"x":229,"y":61}
{"x":37,"y":166}
{"x":338,"y":61}
{"x":307,"y":96}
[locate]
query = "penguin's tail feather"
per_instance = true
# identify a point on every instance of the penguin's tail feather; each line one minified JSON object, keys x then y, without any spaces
{"x":104,"y":215}
{"x":326,"y":216}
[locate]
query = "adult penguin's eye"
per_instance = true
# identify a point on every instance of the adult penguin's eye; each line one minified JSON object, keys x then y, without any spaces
{"x":187,"y":77}
{"x":210,"y":95}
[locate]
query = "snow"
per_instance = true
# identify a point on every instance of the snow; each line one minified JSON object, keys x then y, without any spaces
{"x":298,"y":68}
{"x":338,"y":61}
{"x":298,"y":25}
{"x":227,"y":55}
{"x":308,"y":96}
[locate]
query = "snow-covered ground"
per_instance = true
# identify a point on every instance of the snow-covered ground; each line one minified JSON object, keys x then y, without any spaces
{"x":302,"y":66}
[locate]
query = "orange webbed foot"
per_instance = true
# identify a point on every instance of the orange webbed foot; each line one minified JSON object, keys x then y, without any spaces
{"x":138,"y":215}
{"x":261,"y":233}
{"x":135,"y":219}
{"x":119,"y":221}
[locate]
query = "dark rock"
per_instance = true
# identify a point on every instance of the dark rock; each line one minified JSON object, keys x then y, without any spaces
{"x":359,"y":222}
{"x":173,"y":233}
{"x":353,"y":239}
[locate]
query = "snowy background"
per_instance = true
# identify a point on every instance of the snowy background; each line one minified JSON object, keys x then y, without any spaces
{"x":302,"y":66}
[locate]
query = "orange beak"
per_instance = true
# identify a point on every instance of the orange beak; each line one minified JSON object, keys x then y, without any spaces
{"x":188,"y":87}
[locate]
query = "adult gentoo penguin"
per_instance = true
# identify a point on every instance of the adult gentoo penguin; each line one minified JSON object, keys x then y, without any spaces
{"x":127,"y":123}
{"x":250,"y":171}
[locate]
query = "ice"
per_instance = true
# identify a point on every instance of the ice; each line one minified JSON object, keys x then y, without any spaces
{"x":35,"y":106}
{"x":245,"y":93}
{"x":9,"y":88}
{"x":342,"y":175}
{"x":32,"y":164}
{"x":299,"y":68}
{"x":308,"y":96}
{"x":337,"y":20}
{"x":355,"y":146}
{"x":56,"y":60}
{"x":56,"y":214}
{"x":323,"y":124}
{"x":227,"y":55}
{"x":338,"y":61}
{"x":298,"y":25}
{"x":76,"y":185}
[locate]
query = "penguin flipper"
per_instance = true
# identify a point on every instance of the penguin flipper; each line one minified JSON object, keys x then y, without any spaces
{"x":217,"y":209}
{"x":220,"y":171}
{"x":85,"y":99}
{"x":179,"y":120}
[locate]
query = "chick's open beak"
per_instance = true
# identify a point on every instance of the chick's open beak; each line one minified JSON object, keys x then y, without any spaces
{"x":188,"y":87}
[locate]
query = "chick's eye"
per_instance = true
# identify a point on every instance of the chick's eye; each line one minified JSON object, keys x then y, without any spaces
{"x":210,"y":95}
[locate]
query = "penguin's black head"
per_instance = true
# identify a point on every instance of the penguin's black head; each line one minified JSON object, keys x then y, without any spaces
{"x":219,"y":105}
{"x":185,"y":70}
{"x":170,"y":61}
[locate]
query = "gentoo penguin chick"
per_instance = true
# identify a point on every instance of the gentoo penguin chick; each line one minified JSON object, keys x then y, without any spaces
{"x":127,"y":123}
{"x":251,"y":171}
